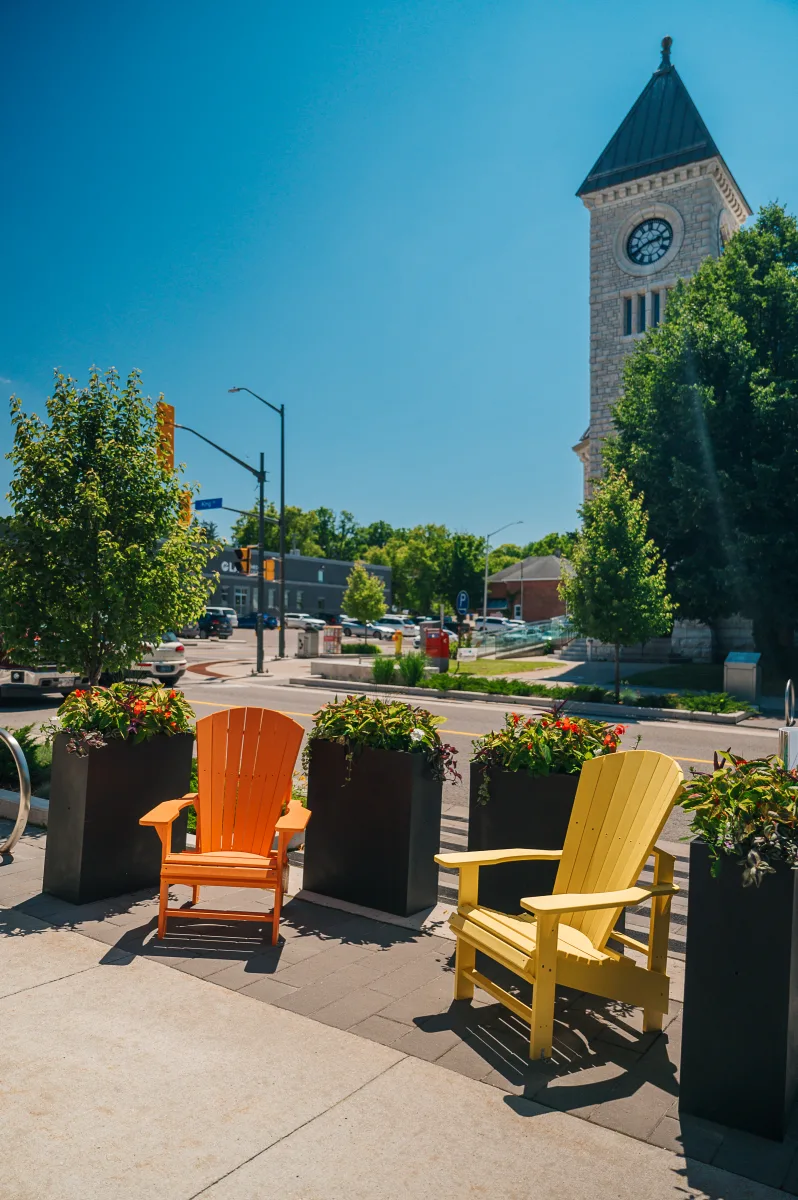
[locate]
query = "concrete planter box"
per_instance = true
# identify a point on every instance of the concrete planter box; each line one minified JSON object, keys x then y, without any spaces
{"x":95,"y":846}
{"x":371,"y":839}
{"x":740,"y":1037}
{"x":523,"y":810}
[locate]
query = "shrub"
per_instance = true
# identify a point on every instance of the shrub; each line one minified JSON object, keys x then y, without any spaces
{"x":383,"y":670}
{"x":360,"y":721}
{"x":746,"y":810}
{"x":412,"y":667}
{"x":360,"y":648}
{"x":135,"y":711}
{"x":38,"y":756}
{"x":512,"y":687}
{"x":544,"y":745}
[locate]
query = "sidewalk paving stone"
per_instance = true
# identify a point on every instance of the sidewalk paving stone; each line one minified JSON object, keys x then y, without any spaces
{"x":394,"y":987}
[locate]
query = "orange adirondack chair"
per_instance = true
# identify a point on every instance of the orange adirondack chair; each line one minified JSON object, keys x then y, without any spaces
{"x":245,"y":759}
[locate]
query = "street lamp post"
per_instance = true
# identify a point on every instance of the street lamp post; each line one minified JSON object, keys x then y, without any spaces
{"x":487,"y":555}
{"x":281,"y":414}
{"x":261,"y":478}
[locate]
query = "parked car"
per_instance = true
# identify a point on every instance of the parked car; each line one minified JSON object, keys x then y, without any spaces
{"x":492,"y":625}
{"x":295,"y":620}
{"x":164,"y":660}
{"x":390,"y":624}
{"x":191,"y":630}
{"x":230,"y":613}
{"x":213,"y":624}
{"x":249,"y":621}
{"x":353,"y":628}
{"x":21,"y":681}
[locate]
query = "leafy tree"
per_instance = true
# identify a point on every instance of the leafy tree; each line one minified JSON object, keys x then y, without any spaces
{"x":552,"y":543}
{"x":96,"y":558}
{"x":364,"y":598}
{"x":707,"y":429}
{"x":617,"y":590}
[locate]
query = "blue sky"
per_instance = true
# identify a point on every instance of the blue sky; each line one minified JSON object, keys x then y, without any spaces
{"x":363,"y":209}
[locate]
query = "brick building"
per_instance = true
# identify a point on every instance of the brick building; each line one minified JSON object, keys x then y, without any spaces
{"x":528,"y":590}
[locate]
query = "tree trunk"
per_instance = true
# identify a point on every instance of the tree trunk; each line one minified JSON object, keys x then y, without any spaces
{"x":617,"y":673}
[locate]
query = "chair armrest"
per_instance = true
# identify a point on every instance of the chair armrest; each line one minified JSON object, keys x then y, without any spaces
{"x":295,"y":820}
{"x":588,"y":901}
{"x":489,"y":858}
{"x":166,"y":812}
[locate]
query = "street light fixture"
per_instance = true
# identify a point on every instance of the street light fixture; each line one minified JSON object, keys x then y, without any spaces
{"x":261,"y":478}
{"x":281,"y":414}
{"x":487,"y":554}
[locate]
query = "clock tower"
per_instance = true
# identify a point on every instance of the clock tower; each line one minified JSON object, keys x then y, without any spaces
{"x":661,"y":199}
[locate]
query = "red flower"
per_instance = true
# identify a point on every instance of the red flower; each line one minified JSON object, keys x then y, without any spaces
{"x":139,"y":706}
{"x":516,"y":718}
{"x":78,"y":692}
{"x":609,"y":740}
{"x":620,"y":729}
{"x":172,"y":695}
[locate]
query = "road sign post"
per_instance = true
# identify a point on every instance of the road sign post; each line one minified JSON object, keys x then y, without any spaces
{"x":204,"y":505}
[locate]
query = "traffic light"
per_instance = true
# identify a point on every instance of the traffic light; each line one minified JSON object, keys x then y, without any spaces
{"x":165,"y":425}
{"x":268,"y":568}
{"x":243,"y":559}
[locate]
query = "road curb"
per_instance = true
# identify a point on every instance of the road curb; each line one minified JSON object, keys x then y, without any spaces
{"x":540,"y":703}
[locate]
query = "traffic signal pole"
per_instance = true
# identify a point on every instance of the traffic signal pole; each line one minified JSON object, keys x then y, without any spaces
{"x":261,"y":570}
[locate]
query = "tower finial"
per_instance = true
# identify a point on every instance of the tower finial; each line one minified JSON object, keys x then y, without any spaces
{"x":667,"y":42}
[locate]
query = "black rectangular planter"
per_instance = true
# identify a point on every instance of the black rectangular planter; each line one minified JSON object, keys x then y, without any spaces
{"x":524,"y":810}
{"x":95,"y":845}
{"x":372,"y":840}
{"x":740,"y":1036}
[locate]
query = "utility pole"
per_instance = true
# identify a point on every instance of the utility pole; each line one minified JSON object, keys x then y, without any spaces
{"x":281,"y":414}
{"x":487,"y":555}
{"x":261,"y":478}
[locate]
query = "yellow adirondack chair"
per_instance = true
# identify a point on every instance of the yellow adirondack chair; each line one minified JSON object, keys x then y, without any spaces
{"x":622,"y":803}
{"x":245,"y":764}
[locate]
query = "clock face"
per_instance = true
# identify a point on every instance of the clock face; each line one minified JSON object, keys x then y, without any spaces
{"x":649,"y":241}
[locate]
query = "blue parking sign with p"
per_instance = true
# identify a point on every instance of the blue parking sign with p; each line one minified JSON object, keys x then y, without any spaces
{"x":462,"y":602}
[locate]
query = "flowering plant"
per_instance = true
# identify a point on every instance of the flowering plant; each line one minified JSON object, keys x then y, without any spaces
{"x":360,"y":721}
{"x":745,"y":809}
{"x":543,"y":745}
{"x":132,"y":711}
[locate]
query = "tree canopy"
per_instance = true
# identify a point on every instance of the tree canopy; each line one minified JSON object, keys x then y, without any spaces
{"x":429,"y":564}
{"x":617,"y":590}
{"x":97,"y":557}
{"x":707,"y":429}
{"x":364,"y":598}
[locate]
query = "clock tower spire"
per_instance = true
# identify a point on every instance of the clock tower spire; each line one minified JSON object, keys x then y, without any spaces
{"x":661,"y":199}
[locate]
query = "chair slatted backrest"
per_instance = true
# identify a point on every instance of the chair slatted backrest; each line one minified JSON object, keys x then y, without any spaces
{"x":622,"y":803}
{"x":245,"y":760}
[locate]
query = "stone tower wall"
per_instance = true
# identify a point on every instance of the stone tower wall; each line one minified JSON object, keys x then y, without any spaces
{"x":704,"y":208}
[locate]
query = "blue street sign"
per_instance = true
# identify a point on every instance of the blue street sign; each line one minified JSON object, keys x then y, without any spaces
{"x":201,"y":505}
{"x":462,"y":603}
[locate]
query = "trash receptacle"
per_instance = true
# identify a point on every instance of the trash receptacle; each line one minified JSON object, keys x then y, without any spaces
{"x":742,"y":675}
{"x":307,"y":643}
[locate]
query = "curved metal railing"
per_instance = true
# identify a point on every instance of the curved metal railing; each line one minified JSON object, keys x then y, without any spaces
{"x":789,"y":704}
{"x":24,"y":792}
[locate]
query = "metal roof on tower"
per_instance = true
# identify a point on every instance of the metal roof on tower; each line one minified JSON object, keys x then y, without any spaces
{"x":662,"y":130}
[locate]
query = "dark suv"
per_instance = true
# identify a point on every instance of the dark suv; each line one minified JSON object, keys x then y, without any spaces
{"x":214,"y":625}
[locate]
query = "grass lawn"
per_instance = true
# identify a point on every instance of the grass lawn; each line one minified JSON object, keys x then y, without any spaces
{"x":503,"y":666}
{"x":694,"y":677}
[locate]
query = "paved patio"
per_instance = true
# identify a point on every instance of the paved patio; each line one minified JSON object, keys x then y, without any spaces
{"x":392,"y":985}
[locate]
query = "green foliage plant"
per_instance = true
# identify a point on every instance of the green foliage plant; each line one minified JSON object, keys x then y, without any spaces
{"x":124,"y":711}
{"x":38,"y":756}
{"x":364,"y":598}
{"x":617,"y":591}
{"x":383,"y":669}
{"x":412,"y":667}
{"x":366,"y":648}
{"x":545,"y":745}
{"x":745,"y":810}
{"x":96,"y":555}
{"x":362,"y":721}
{"x":706,"y":429}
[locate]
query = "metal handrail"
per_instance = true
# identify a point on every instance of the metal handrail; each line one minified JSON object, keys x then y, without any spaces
{"x":24,"y":792}
{"x":789,"y":704}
